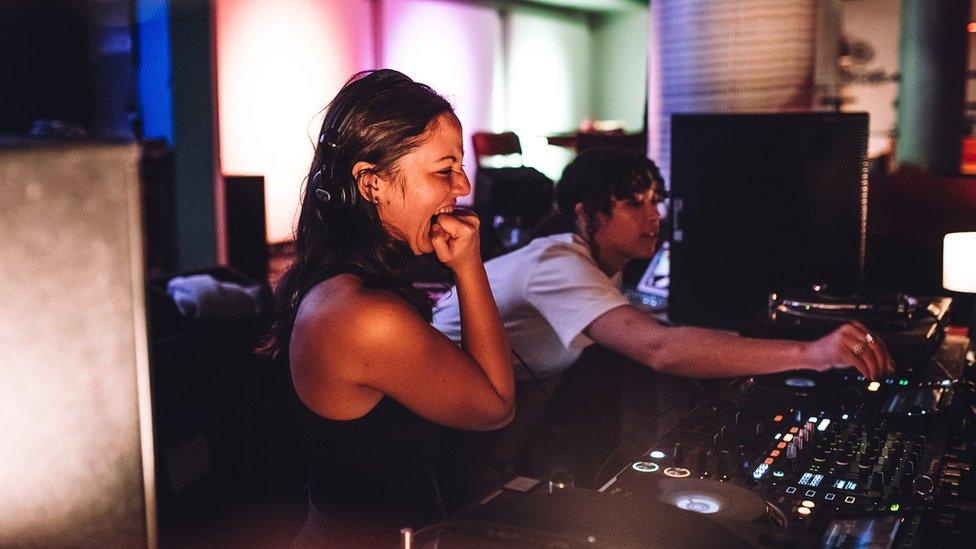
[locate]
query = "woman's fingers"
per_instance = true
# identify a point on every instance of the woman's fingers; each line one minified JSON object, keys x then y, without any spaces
{"x":877,"y":347}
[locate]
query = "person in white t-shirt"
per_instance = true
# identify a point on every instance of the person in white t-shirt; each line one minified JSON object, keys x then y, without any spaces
{"x":561,"y":293}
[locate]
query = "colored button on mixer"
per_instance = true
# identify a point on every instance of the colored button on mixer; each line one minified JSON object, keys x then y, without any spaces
{"x":646,"y":467}
{"x":677,"y":472}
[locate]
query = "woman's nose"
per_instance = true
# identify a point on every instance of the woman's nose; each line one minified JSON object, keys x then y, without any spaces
{"x":462,"y":187}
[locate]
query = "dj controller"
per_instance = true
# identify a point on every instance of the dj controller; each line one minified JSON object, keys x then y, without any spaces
{"x":799,"y":459}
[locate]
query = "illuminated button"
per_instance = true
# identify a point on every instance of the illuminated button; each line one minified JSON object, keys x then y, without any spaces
{"x":787,"y":437}
{"x":803,"y":511}
{"x":778,"y":418}
{"x":781,"y":445}
{"x":646,"y":467}
{"x":813,"y":419}
{"x":894,"y":507}
{"x":791,"y":490}
{"x":810,"y":493}
{"x":902,"y":382}
{"x":874,"y":386}
{"x":768,"y":461}
{"x":774,"y":454}
{"x":657,"y":454}
{"x":808,"y":503}
{"x":849,"y":499}
{"x":830,"y":497}
{"x":823,"y":424}
{"x":845,"y":416}
{"x":677,"y":472}
{"x":793,"y":430}
{"x":779,"y":474}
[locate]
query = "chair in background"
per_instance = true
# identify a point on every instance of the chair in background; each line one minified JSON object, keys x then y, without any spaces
{"x":495,"y":144}
{"x":510,"y":200}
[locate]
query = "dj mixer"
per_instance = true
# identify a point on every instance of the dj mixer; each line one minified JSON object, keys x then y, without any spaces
{"x":837,"y":460}
{"x":797,"y":459}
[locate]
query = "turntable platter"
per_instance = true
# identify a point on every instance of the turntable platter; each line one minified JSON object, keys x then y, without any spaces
{"x":710,"y":497}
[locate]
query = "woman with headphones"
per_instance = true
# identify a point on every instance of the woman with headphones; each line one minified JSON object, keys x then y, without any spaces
{"x":374,"y":378}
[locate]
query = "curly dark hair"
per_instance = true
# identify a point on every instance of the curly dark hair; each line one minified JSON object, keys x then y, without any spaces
{"x":377,"y":117}
{"x":593,"y":179}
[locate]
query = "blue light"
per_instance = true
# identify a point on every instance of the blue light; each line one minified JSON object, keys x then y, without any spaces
{"x":760,"y":471}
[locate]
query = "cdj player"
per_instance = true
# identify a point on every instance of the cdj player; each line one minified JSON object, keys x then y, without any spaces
{"x":800,"y":459}
{"x":911,"y":326}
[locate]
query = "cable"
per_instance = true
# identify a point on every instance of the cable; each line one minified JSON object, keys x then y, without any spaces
{"x":552,"y":399}
{"x":642,"y":426}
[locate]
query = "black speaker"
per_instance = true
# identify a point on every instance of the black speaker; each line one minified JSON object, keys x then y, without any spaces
{"x":762,"y":203}
{"x":247,"y":246}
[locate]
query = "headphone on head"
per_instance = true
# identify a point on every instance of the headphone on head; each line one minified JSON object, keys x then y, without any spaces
{"x":338,"y":188}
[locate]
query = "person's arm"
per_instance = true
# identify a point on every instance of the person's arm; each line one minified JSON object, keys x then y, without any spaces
{"x":455,"y":241}
{"x":699,"y":352}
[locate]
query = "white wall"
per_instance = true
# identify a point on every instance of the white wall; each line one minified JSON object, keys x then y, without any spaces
{"x":878,"y":23}
{"x":549,"y":55}
{"x":620,"y":67}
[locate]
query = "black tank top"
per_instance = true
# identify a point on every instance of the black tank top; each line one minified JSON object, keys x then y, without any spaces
{"x":382,"y":461}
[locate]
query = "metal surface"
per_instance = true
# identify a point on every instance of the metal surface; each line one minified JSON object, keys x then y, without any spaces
{"x":76,"y":463}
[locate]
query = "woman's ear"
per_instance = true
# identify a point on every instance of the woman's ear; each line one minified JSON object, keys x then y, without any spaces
{"x":581,"y":218}
{"x":367,"y":181}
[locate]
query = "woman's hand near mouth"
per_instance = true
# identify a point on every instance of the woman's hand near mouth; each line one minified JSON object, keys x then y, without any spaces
{"x":455,"y":239}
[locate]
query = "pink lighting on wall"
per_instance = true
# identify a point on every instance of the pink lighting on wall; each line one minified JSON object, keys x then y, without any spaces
{"x":278,"y":65}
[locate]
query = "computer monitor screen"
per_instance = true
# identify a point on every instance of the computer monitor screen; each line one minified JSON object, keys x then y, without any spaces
{"x":762,"y":203}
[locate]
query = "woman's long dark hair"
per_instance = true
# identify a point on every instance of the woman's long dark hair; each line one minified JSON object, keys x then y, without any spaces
{"x":377,"y":117}
{"x":593,"y":179}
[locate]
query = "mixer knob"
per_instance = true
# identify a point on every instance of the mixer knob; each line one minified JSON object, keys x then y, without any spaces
{"x":759,"y":429}
{"x":819,"y":454}
{"x":737,"y":418}
{"x":909,"y":468}
{"x":864,"y":462}
{"x":923,"y":486}
{"x":878,"y":482}
{"x":678,"y":454}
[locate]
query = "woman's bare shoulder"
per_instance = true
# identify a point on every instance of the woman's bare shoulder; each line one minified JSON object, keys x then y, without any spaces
{"x":341,"y":316}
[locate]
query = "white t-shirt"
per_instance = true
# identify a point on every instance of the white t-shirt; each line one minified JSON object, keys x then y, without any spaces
{"x":547,"y":293}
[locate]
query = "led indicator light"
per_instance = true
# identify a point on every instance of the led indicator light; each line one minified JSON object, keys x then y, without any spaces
{"x":874,"y":386}
{"x":657,"y":454}
{"x":823,"y":424}
{"x":894,"y":507}
{"x":902,"y":382}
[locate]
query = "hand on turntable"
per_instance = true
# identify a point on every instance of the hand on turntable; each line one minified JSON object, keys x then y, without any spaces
{"x":852,"y":345}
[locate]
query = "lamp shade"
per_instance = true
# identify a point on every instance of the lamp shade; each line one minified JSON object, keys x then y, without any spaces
{"x":959,"y":262}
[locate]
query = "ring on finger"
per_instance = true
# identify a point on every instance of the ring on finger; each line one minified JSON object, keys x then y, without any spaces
{"x":869,"y":338}
{"x":858,"y":348}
